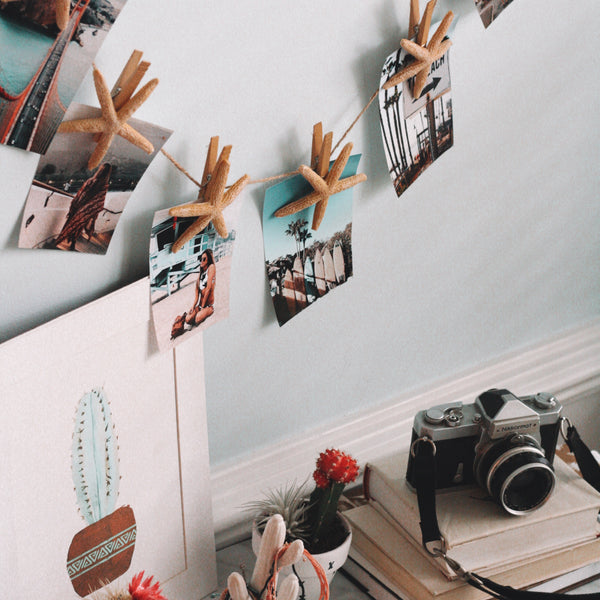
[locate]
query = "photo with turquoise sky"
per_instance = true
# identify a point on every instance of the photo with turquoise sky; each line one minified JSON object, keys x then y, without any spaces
{"x":302,"y":264}
{"x":41,"y":66}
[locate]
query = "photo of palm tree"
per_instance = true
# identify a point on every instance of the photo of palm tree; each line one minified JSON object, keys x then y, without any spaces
{"x":415,"y":132}
{"x":304,"y":265}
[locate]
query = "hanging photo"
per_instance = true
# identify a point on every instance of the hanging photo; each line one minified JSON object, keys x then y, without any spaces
{"x":46,"y":48}
{"x":70,"y":207}
{"x":490,"y":9}
{"x":415,"y":131}
{"x":189,"y":289}
{"x":304,"y":265}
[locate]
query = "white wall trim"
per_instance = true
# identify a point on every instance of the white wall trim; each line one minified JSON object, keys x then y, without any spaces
{"x":567,"y":365}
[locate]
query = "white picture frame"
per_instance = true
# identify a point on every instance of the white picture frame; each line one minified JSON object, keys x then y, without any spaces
{"x":157,"y":401}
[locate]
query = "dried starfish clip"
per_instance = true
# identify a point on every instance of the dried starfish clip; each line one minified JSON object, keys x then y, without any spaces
{"x":213,"y":196}
{"x":114,"y":117}
{"x":63,"y":8}
{"x":129,"y":79}
{"x":324,"y":181}
{"x":413,"y":20}
{"x":424,"y":54}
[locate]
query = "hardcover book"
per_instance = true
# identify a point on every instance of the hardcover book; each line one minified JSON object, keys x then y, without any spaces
{"x":395,"y":563}
{"x":478,"y":533}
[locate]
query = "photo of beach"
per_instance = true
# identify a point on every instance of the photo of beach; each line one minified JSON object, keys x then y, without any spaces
{"x":70,"y":207}
{"x":189,"y":289}
{"x":43,"y":59}
{"x":304,"y":265}
{"x":415,"y":131}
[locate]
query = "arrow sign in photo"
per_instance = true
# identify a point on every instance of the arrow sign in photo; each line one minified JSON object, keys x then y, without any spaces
{"x":438,"y":83}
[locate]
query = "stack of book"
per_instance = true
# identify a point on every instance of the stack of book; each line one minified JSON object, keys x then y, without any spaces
{"x":388,"y":560}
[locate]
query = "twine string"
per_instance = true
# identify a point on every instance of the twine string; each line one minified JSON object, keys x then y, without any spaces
{"x":283,"y":175}
{"x":360,"y":114}
{"x":181,"y":168}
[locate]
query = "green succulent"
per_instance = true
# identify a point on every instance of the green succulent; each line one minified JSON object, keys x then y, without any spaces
{"x":291,"y":502}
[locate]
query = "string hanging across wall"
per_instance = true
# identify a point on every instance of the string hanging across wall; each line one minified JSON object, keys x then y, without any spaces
{"x":416,"y":127}
{"x":315,"y":259}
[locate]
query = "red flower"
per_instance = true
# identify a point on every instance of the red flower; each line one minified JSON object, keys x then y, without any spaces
{"x":336,"y":466}
{"x":145,"y":590}
{"x":321,"y":478}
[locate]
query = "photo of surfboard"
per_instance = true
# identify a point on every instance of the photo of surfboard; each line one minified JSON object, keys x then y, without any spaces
{"x":289,"y":293}
{"x":299,"y":287}
{"x":309,"y":282}
{"x":338,"y":263}
{"x":320,"y":273}
{"x":304,"y":265}
{"x":329,"y":269}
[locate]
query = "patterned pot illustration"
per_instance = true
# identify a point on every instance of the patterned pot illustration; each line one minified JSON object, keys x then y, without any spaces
{"x":103,"y":550}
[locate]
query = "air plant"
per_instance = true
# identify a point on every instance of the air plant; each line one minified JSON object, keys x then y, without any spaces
{"x":95,"y":463}
{"x":290,"y":503}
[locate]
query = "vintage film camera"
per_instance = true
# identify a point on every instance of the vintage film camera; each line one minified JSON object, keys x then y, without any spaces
{"x":504,"y":443}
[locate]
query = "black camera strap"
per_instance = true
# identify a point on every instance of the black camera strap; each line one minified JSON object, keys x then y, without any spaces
{"x":425,"y":476}
{"x":423,"y":453}
{"x":588,"y":465}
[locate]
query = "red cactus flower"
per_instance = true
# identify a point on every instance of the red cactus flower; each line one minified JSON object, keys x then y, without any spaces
{"x":145,"y":590}
{"x":321,"y":478}
{"x":336,"y":466}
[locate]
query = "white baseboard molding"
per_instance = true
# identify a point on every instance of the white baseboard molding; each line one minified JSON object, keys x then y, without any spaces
{"x":567,"y":365}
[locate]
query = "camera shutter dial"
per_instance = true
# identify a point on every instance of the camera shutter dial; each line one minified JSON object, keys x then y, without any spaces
{"x":544,"y":401}
{"x":453,"y":418}
{"x":435,"y":416}
{"x":450,"y":416}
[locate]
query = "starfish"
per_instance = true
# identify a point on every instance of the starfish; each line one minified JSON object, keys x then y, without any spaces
{"x":325,"y":182}
{"x":212,"y":197}
{"x":424,"y":55}
{"x":112,"y":122}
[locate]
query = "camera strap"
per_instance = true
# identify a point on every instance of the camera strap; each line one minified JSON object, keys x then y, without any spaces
{"x":588,"y":465}
{"x":423,"y":452}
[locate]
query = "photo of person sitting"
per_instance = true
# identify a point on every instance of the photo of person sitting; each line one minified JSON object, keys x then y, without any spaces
{"x":204,"y":300}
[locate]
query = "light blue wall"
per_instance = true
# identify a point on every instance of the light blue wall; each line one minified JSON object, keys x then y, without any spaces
{"x":497,"y":246}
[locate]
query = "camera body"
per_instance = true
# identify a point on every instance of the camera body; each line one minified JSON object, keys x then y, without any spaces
{"x":503,"y":443}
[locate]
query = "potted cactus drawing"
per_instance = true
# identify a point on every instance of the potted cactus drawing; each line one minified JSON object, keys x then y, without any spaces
{"x":103,"y":550}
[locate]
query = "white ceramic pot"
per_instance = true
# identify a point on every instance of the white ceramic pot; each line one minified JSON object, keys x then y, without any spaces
{"x":331,"y":561}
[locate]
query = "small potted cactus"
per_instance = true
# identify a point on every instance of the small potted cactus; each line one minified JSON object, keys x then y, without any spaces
{"x":103,"y":550}
{"x":313,"y":518}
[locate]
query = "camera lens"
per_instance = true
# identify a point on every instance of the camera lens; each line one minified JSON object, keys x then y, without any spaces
{"x":516,"y":473}
{"x":527,"y":488}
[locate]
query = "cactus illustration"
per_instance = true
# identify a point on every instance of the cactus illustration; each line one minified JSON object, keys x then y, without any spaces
{"x":95,"y":466}
{"x":103,"y":550}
